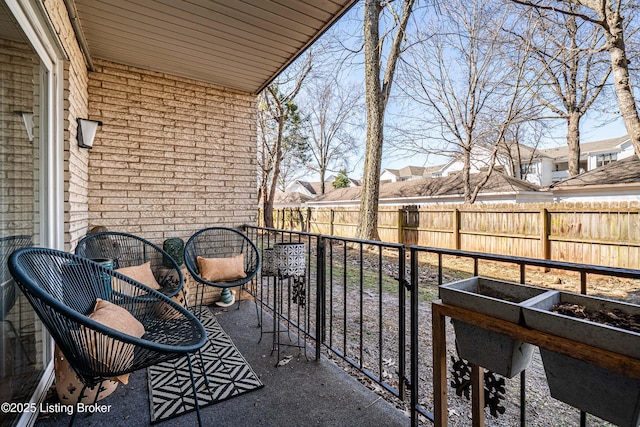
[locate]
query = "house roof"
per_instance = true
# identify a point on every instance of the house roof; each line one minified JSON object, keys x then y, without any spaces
{"x":625,"y":171}
{"x":429,"y":187}
{"x":585,"y":148}
{"x":239,"y":44}
{"x":407,"y":171}
{"x":285,"y":199}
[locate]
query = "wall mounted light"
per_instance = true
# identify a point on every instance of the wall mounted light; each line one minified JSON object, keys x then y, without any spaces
{"x":87,"y":132}
{"x":27,"y":118}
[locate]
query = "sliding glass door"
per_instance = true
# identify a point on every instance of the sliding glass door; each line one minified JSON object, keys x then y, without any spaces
{"x":26,"y":128}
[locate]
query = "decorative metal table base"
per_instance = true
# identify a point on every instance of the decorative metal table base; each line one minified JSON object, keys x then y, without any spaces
{"x":296,"y":294}
{"x":286,"y":262}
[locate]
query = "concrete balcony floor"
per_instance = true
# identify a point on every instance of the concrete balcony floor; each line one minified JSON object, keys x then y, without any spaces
{"x":301,"y":393}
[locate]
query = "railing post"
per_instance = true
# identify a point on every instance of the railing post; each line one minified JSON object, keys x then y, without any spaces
{"x":402,"y":326}
{"x":414,"y":346}
{"x":320,"y":295}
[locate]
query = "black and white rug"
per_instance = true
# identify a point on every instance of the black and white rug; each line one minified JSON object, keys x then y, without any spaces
{"x":229,"y":374}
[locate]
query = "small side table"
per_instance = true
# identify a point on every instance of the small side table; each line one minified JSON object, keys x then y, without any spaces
{"x":286,"y":262}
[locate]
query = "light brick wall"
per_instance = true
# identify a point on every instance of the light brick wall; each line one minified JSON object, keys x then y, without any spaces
{"x":173,"y":156}
{"x":76,"y":104}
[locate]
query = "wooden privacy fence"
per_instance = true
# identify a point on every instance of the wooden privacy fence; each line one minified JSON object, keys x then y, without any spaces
{"x":598,"y":233}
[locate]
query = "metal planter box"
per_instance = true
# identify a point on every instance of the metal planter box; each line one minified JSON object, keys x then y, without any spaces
{"x":496,"y":298}
{"x":603,"y":393}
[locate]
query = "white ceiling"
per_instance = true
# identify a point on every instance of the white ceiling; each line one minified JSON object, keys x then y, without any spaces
{"x":240,"y":44}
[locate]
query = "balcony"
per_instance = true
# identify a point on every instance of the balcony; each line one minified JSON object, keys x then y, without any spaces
{"x":368,"y":316}
{"x":293,"y":394}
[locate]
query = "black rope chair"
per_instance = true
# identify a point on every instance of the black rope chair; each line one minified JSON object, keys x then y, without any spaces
{"x":8,"y":292}
{"x":63,"y":289}
{"x":217,"y":243}
{"x":127,"y":250}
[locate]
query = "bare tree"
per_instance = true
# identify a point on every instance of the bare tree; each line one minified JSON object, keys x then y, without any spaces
{"x":277,"y":114}
{"x":377,"y":95}
{"x":470,"y":85}
{"x":332,"y":117}
{"x":608,"y":15}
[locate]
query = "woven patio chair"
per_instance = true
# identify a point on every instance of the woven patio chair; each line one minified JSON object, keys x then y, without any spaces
{"x":69,"y":294}
{"x":127,"y":250}
{"x":230,"y":259}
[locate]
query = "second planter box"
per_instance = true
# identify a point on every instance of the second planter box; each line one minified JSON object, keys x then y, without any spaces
{"x":496,"y":298}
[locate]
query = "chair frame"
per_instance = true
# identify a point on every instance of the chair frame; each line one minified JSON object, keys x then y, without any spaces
{"x":31,"y":267}
{"x":89,"y":247}
{"x":193,"y":249}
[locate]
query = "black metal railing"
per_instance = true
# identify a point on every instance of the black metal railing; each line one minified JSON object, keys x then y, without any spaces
{"x":362,"y":309}
{"x":418,"y":322}
{"x":358,"y":314}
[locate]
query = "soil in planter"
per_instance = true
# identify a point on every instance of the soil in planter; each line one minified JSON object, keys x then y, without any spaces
{"x":615,"y":317}
{"x":490,"y":292}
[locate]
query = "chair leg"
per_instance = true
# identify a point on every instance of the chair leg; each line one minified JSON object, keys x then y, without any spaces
{"x":204,"y":368}
{"x":256,"y":304}
{"x":75,"y":409}
{"x":195,"y":390}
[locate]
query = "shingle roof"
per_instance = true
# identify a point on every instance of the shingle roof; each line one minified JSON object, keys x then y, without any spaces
{"x":625,"y":171}
{"x":606,"y":144}
{"x":449,"y":185}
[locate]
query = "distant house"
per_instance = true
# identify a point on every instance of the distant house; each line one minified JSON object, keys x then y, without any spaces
{"x":615,"y":181}
{"x":299,"y":191}
{"x":552,"y":164}
{"x":522,"y":174}
{"x":500,"y":188}
{"x":542,"y":167}
{"x":408,"y":173}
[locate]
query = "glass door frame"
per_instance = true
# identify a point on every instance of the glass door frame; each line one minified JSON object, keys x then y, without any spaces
{"x":34,"y":22}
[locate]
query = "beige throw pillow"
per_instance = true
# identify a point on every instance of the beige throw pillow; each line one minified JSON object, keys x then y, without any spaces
{"x":112,"y":353}
{"x":222,"y":269}
{"x":141,"y":273}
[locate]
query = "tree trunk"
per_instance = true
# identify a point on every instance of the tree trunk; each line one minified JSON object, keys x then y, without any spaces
{"x":621,"y":79}
{"x":368,"y":218}
{"x":573,"y":142}
{"x":269,"y":201}
{"x":466,"y":174}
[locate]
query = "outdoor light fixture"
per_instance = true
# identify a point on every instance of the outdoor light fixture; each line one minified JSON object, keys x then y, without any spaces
{"x":27,"y":118}
{"x":87,"y":132}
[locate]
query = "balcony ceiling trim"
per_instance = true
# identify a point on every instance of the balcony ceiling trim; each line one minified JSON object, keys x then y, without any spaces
{"x":238,"y":44}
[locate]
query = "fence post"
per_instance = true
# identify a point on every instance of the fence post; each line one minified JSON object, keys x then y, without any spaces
{"x":456,"y":229}
{"x":545,"y":231}
{"x":320,"y":295}
{"x":308,"y":229}
{"x":400,"y":224}
{"x":331,"y":217}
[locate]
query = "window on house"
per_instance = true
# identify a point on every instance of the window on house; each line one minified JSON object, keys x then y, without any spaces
{"x":605,"y":159}
{"x":528,"y":168}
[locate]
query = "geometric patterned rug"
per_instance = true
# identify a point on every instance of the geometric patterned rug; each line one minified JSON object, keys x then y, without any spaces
{"x":229,"y":374}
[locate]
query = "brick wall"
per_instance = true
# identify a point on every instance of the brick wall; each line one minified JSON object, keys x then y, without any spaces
{"x":173,"y":156}
{"x":76,"y":104}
